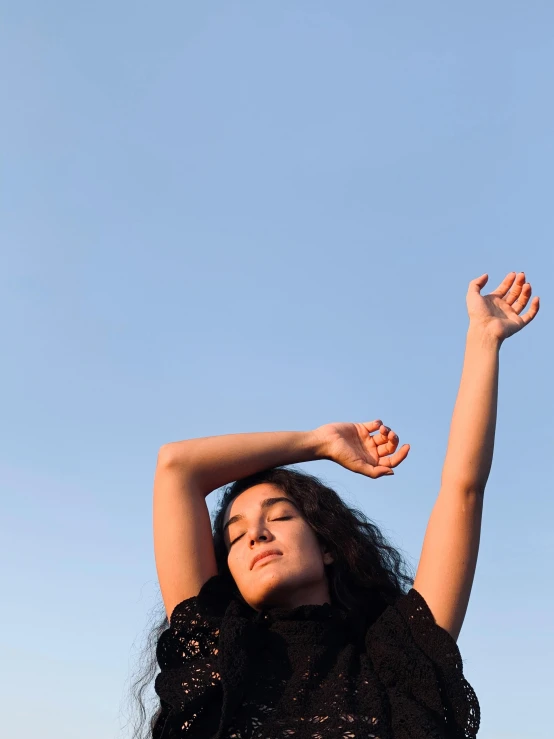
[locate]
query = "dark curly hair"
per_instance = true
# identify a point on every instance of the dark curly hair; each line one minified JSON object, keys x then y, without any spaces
{"x":365,"y":575}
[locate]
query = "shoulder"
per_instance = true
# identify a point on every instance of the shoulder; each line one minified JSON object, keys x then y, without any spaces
{"x":408,"y":618}
{"x":212,"y":601}
{"x":194,"y":625}
{"x":415,"y":655}
{"x":188,"y":652}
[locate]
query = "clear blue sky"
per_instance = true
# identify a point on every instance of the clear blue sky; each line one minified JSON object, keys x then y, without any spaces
{"x":240,"y":216}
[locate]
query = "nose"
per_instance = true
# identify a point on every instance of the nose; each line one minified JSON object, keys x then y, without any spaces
{"x":259,"y":532}
{"x":259,"y":537}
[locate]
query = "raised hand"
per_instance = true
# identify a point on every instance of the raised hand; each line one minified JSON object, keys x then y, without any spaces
{"x":499,"y":313}
{"x":353,"y":446}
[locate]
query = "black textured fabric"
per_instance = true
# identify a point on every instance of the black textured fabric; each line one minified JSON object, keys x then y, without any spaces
{"x":311,"y":672}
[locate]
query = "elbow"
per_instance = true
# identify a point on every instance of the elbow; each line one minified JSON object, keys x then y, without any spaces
{"x":166,"y":456}
{"x":476,"y":489}
{"x":465,"y":487}
{"x":175,"y":457}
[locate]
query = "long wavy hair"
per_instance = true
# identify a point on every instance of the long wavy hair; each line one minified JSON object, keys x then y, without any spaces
{"x":366,"y":574}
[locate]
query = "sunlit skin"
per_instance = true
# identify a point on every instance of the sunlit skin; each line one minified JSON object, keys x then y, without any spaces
{"x":299,"y":576}
{"x":296,"y":577}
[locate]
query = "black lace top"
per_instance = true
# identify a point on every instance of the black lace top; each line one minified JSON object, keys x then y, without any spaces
{"x":311,"y":672}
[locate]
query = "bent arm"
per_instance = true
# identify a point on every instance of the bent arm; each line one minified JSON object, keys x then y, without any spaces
{"x":187,"y":471}
{"x":214,"y":461}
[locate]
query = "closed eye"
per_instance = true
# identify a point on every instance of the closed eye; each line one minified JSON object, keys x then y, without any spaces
{"x":282,"y":518}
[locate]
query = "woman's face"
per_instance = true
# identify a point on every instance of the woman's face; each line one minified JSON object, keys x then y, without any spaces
{"x":255,"y":523}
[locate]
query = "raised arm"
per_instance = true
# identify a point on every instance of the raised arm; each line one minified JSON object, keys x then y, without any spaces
{"x":449,"y":556}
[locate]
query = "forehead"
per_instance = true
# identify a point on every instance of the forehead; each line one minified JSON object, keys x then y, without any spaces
{"x":250,"y":500}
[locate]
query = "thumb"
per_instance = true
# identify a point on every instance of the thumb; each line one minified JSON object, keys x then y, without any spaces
{"x":376,"y":472}
{"x":478,"y":284}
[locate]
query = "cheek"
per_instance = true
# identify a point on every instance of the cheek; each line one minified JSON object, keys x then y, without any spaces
{"x":235,"y":564}
{"x":230,"y":560}
{"x":306,"y":539}
{"x":304,"y":549}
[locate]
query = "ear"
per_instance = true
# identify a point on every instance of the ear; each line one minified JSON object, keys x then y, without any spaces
{"x":327,"y":558}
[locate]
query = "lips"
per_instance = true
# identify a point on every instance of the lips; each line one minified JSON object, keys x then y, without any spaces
{"x":263,"y":554}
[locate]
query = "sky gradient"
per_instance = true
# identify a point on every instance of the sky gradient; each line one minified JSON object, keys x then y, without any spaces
{"x":236,"y":216}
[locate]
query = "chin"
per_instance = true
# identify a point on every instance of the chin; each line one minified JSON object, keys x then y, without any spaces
{"x":273,"y":590}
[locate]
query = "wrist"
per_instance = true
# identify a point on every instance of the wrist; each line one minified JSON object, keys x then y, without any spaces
{"x":479,"y":334}
{"x":318,"y":444}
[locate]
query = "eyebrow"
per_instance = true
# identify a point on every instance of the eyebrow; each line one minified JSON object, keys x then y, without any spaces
{"x":265,"y":504}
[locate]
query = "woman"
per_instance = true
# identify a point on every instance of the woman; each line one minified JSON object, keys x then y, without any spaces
{"x":295,"y":617}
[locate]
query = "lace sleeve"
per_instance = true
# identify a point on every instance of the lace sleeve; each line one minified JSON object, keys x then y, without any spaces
{"x":188,"y":654}
{"x":421,"y":666}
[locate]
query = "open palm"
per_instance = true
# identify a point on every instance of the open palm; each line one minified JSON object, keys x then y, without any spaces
{"x":353,"y":446}
{"x":500,"y":311}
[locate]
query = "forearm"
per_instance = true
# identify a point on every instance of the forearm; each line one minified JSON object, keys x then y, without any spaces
{"x":471,"y":440}
{"x":214,"y":461}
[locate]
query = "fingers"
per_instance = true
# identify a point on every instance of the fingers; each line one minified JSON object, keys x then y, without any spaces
{"x":519,"y":299}
{"x":375,"y":472}
{"x":385,"y":468}
{"x":516,"y":289}
{"x":386,"y":441}
{"x":388,"y":444}
{"x":395,"y":459}
{"x":516,"y":292}
{"x":505,"y":285}
{"x":383,"y":436}
{"x":532,"y":312}
{"x":372,"y":426}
